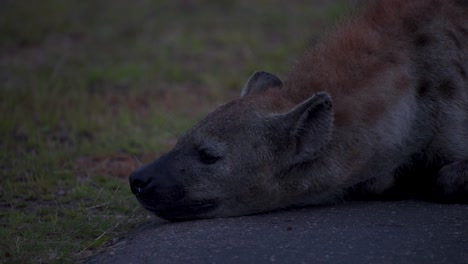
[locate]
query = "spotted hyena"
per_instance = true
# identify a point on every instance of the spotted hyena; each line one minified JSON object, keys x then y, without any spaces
{"x":380,"y":102}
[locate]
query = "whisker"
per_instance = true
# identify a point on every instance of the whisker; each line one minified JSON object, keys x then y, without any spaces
{"x":174,"y":134}
{"x":137,"y":160}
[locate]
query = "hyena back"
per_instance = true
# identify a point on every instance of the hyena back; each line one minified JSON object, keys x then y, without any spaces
{"x":381,"y":98}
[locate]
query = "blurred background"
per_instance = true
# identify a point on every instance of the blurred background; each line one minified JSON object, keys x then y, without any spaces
{"x":91,"y":89}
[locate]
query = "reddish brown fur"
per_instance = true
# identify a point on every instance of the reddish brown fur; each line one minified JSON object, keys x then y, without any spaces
{"x":368,"y":47}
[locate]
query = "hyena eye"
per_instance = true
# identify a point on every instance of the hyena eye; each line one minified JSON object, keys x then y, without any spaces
{"x":207,"y":157}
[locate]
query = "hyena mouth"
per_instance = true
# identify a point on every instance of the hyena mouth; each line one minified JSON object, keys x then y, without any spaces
{"x":183,"y":211}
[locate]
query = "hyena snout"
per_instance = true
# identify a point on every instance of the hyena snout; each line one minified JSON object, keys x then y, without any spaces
{"x":155,"y":186}
{"x":160,"y":190}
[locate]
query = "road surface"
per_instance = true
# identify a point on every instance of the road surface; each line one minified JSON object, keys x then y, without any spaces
{"x":353,"y":232}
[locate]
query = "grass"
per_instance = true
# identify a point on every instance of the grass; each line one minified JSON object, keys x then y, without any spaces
{"x":87,"y":88}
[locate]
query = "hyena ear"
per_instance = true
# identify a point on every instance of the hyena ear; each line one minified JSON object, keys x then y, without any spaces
{"x":261,"y":81}
{"x":310,"y":126}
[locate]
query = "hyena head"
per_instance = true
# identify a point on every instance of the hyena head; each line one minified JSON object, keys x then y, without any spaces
{"x":238,"y":159}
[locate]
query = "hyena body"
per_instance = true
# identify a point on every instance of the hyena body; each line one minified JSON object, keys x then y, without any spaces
{"x":384,"y":95}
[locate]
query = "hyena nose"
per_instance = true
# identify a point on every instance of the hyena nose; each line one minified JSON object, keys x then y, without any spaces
{"x":140,"y":182}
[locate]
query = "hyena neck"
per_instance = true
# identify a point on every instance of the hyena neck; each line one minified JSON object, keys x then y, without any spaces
{"x":316,"y":182}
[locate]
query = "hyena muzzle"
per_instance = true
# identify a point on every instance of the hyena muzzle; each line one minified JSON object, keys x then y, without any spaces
{"x":381,"y":102}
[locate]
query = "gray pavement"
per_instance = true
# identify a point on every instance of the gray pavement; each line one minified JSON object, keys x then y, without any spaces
{"x":353,"y":232}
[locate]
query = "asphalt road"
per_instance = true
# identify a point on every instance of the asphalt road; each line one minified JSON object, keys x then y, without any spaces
{"x":353,"y":232}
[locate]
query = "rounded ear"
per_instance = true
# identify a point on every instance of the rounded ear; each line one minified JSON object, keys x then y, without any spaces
{"x":261,"y":81}
{"x":308,"y":127}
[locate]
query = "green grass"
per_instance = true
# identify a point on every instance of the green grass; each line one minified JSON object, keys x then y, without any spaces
{"x":86,"y":86}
